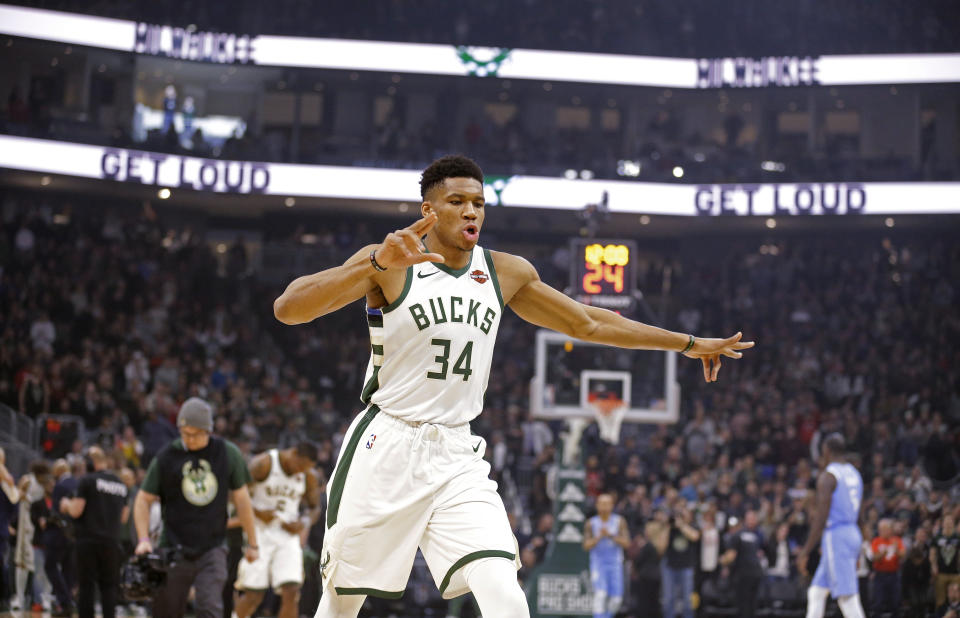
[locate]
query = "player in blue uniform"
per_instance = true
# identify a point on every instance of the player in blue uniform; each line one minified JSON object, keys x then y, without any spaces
{"x":839,"y":498}
{"x":605,"y":536}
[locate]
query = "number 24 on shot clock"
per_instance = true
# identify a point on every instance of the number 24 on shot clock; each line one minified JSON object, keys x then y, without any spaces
{"x":602,"y":269}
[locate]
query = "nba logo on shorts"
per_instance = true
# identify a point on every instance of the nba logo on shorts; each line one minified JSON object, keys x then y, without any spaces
{"x":373,"y":437}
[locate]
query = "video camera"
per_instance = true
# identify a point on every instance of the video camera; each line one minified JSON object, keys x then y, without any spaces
{"x":143,"y":575}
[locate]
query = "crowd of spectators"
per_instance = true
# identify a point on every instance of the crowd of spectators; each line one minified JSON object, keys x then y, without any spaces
{"x":115,"y":316}
{"x":649,"y":27}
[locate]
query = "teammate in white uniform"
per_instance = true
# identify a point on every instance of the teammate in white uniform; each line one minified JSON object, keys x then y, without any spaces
{"x":409,"y":473}
{"x":280,"y":480}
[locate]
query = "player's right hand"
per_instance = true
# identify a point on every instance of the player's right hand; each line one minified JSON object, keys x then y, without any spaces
{"x":404,"y":248}
{"x":143,"y":547}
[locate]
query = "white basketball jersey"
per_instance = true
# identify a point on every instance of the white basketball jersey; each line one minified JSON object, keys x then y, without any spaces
{"x":279,"y":492}
{"x":432,"y":347}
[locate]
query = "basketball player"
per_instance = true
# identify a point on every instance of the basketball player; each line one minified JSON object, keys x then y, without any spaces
{"x":605,"y":536}
{"x":839,"y":497}
{"x":410,"y":473}
{"x":280,"y":480}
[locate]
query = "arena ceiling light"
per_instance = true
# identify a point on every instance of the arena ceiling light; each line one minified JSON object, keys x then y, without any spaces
{"x":185,"y":43}
{"x":165,"y":172}
{"x":628,"y":167}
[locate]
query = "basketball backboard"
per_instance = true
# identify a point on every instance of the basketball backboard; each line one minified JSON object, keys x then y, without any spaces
{"x":567,"y":370}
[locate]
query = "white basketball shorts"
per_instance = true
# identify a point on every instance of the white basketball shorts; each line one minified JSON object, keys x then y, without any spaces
{"x":398,"y":486}
{"x":280,"y":561}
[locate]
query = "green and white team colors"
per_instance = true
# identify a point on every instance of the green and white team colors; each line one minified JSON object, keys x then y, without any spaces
{"x":281,"y":557}
{"x":432,"y":346}
{"x":409,"y":473}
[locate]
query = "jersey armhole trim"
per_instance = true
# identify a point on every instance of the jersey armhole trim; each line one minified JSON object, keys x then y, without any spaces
{"x":477,"y":555}
{"x":406,"y":289}
{"x":493,"y":276}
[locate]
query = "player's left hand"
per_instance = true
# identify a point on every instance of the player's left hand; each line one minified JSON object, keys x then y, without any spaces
{"x":251,"y":553}
{"x":802,"y":563}
{"x":709,"y":352}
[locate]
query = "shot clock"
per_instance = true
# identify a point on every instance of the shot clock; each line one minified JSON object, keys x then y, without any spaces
{"x":602,"y":272}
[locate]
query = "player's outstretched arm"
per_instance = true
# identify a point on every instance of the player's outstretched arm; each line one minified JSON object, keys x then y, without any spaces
{"x":311,"y":296}
{"x":538,"y":303}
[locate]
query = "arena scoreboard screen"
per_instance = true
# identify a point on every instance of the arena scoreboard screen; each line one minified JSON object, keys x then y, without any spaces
{"x":602,"y":272}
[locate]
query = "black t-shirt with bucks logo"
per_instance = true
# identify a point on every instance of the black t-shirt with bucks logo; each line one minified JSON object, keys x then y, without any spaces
{"x":681,"y":551}
{"x":948,"y":547}
{"x":194,"y":487}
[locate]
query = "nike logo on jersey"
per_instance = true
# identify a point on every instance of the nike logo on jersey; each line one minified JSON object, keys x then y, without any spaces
{"x":425,"y":275}
{"x":477,"y":447}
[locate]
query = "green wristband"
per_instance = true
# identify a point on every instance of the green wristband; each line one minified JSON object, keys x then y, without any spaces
{"x":689,"y":345}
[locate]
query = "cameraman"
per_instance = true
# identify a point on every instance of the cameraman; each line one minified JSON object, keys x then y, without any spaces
{"x":193,"y":478}
{"x":100,"y":509}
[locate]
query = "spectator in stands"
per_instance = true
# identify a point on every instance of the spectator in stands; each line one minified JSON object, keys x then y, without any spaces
{"x":9,"y":496}
{"x":25,"y":556}
{"x":59,"y":563}
{"x":780,"y":553}
{"x":887,"y":551}
{"x":709,"y":545}
{"x":542,"y":536}
{"x":944,"y":558}
{"x":744,"y":548}
{"x":679,"y":562}
{"x":917,"y":576}
{"x":34,"y":392}
{"x":951,"y":607}
{"x":647,"y":563}
{"x":864,"y":568}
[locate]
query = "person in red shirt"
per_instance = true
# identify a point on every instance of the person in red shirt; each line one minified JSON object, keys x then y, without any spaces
{"x":886,"y":552}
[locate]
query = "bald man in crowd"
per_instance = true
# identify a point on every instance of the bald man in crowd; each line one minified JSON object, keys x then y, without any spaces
{"x":100,"y":508}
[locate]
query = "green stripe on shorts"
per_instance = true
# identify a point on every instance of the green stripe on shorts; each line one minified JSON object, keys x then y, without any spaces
{"x":370,"y":592}
{"x":477,"y":555}
{"x":340,"y":478}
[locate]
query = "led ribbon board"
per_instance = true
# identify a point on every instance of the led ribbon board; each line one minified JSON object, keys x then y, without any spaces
{"x":328,"y":181}
{"x":223,"y":47}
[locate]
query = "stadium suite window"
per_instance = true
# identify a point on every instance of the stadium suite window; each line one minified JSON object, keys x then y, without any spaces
{"x":573,"y":118}
{"x":500,"y":113}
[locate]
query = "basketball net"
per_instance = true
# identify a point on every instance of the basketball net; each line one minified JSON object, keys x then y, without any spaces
{"x":609,"y":413}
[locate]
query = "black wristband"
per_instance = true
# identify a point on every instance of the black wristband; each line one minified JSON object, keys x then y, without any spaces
{"x":373,"y":261}
{"x":689,"y":345}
